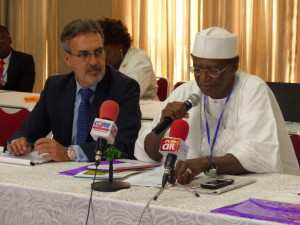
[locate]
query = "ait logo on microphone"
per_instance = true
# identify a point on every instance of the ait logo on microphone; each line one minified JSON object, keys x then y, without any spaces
{"x":170,"y":144}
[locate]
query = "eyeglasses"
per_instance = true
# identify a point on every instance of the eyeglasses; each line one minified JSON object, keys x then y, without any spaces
{"x":86,"y":56}
{"x":107,"y":52}
{"x":2,"y":40}
{"x":212,"y":72}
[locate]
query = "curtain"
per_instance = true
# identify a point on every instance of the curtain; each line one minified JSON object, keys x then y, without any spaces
{"x":268,"y":33}
{"x":33,"y":28}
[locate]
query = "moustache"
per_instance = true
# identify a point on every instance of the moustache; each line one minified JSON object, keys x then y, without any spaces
{"x":93,"y":67}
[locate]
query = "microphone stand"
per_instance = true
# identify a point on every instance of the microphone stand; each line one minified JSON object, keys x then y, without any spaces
{"x":172,"y":181}
{"x":110,"y":185}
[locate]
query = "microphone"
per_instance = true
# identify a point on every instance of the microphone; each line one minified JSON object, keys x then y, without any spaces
{"x":193,"y":100}
{"x":104,"y":130}
{"x":173,"y":147}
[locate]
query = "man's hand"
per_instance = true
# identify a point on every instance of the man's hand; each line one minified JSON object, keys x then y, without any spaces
{"x":19,"y":146}
{"x":174,"y":110}
{"x":55,"y":151}
{"x":188,"y":169}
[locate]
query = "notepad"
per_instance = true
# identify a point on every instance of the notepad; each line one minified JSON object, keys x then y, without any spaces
{"x":124,"y":166}
{"x":29,"y":159}
{"x":101,"y":175}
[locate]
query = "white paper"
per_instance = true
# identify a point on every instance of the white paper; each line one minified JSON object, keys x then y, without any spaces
{"x":29,"y":159}
{"x":121,"y":165}
{"x":117,"y":175}
{"x":153,"y":178}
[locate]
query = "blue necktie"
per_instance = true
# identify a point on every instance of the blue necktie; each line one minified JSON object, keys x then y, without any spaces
{"x":83,"y":115}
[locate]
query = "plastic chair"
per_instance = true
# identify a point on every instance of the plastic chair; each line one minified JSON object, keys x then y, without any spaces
{"x":10,"y":122}
{"x":296,"y":143}
{"x":178,"y":84}
{"x":163,"y":88}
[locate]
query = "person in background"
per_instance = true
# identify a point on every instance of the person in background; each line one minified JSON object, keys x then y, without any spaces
{"x":237,"y":127}
{"x":70,"y":102}
{"x":129,"y":60}
{"x":17,"y":69}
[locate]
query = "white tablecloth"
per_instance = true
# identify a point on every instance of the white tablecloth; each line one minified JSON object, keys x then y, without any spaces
{"x":39,"y":195}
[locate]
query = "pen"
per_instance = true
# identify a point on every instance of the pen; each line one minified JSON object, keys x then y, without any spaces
{"x":30,"y":145}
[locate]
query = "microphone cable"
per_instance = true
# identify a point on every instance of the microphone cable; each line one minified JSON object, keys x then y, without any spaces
{"x":90,"y":201}
{"x":161,"y":190}
{"x":148,"y":203}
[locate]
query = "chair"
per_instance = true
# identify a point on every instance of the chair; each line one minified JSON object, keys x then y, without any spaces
{"x":178,"y":84}
{"x":10,"y":122}
{"x":163,"y":88}
{"x":288,"y":98}
{"x":296,"y":144}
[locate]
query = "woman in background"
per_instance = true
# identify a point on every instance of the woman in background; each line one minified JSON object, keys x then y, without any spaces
{"x":129,"y":60}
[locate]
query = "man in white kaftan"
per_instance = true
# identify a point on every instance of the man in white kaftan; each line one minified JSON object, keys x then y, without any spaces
{"x":252,"y":128}
{"x":251,"y":137}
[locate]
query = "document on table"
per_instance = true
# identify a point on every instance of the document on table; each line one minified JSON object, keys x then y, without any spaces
{"x":29,"y":159}
{"x":153,"y":178}
{"x":102,"y":175}
{"x":124,"y":166}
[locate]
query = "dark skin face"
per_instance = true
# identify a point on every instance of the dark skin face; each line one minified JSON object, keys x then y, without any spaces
{"x":5,"y":42}
{"x":215,"y":87}
{"x":115,"y":57}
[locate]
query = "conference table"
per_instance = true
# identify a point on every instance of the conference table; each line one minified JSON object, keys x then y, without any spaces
{"x":40,"y":195}
{"x":18,"y":99}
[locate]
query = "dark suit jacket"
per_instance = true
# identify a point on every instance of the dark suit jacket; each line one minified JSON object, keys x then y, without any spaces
{"x":55,"y":109}
{"x":20,"y":72}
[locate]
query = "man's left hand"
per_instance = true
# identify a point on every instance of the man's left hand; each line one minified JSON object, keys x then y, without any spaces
{"x":188,"y":169}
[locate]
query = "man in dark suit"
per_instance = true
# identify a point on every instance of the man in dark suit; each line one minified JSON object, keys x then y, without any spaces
{"x":58,"y":109}
{"x":18,"y":72}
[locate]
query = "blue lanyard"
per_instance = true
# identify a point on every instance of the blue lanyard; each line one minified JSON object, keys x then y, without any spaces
{"x":219,"y":122}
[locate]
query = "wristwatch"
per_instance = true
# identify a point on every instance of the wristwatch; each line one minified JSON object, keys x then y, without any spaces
{"x":71,"y":153}
{"x":212,"y":172}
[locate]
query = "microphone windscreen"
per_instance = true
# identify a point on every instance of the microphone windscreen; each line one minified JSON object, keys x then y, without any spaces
{"x":109,"y":110}
{"x":179,"y":129}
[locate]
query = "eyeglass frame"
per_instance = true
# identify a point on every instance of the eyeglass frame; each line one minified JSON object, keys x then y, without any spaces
{"x":3,"y":40}
{"x":85,"y":56}
{"x":218,"y":71}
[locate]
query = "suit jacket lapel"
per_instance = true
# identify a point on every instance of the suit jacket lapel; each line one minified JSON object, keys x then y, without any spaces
{"x":67,"y":108}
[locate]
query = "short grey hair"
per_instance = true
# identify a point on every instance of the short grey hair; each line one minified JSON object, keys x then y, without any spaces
{"x":76,"y":27}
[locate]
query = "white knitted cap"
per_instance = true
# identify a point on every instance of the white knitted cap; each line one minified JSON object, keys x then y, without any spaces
{"x":215,"y":43}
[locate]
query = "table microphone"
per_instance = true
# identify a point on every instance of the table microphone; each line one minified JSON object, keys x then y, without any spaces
{"x":104,"y":130}
{"x":193,"y":100}
{"x":174,"y":148}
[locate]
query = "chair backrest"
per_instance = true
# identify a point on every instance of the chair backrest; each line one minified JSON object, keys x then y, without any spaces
{"x":10,"y":122}
{"x":178,"y":84}
{"x":288,"y":98}
{"x":296,"y":143}
{"x":163,"y":88}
